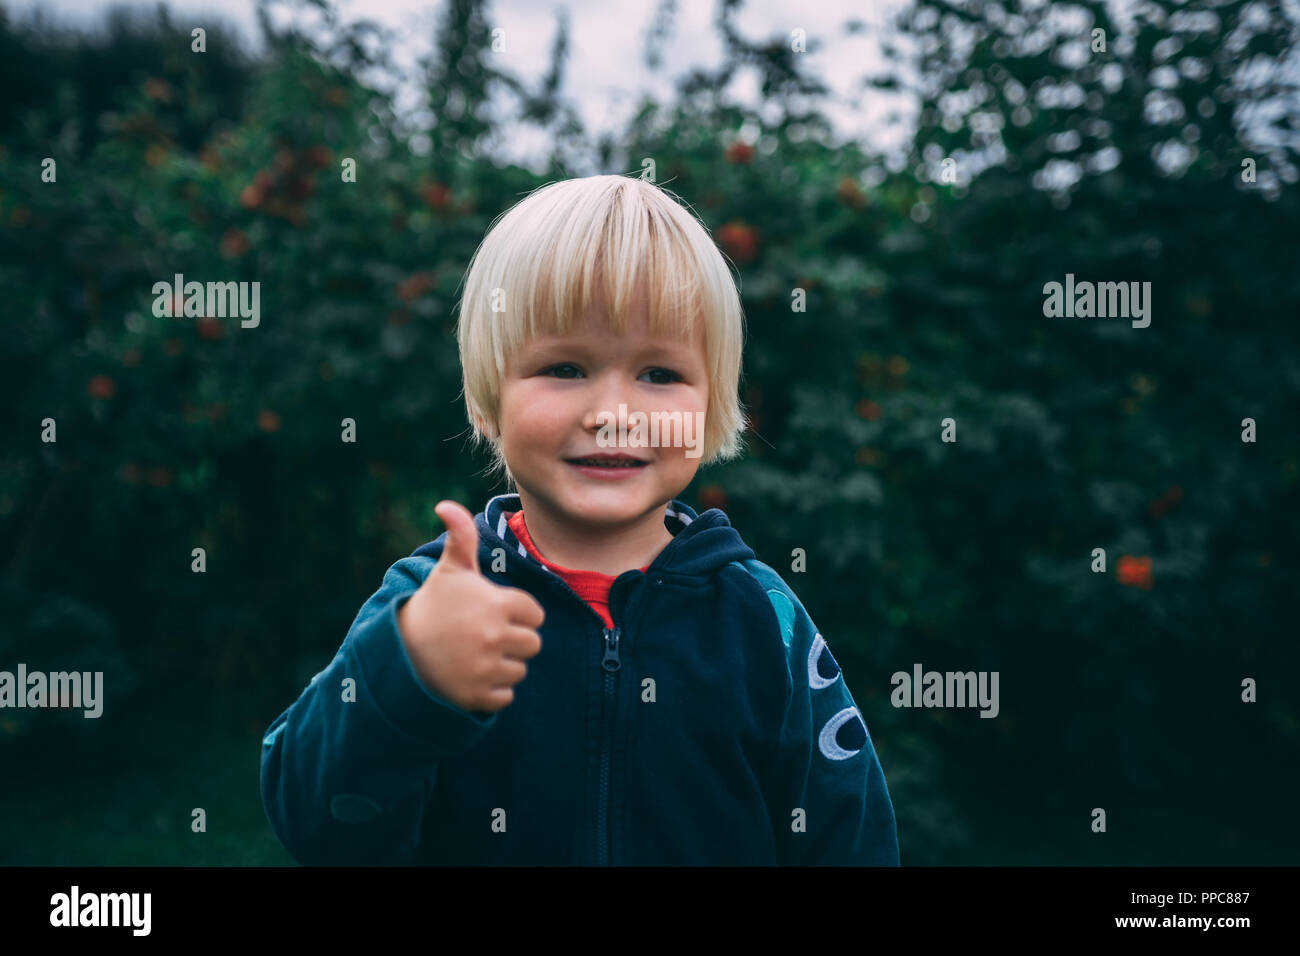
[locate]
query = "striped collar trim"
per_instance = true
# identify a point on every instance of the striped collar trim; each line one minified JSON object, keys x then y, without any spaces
{"x":677,"y":516}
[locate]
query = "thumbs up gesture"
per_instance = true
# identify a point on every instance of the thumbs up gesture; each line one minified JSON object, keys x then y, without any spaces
{"x":467,"y":637}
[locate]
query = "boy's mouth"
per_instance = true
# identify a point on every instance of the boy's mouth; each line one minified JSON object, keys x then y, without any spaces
{"x":607,"y":461}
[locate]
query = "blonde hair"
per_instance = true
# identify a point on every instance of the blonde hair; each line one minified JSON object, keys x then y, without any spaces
{"x":547,"y":258}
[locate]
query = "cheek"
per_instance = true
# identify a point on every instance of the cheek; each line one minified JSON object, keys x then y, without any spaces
{"x":535,"y":414}
{"x":700,"y":400}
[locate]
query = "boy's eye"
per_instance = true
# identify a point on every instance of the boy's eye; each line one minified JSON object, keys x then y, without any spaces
{"x":672,"y":376}
{"x":555,"y":368}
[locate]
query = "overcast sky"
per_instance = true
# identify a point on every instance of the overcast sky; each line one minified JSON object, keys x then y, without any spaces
{"x":605,"y":70}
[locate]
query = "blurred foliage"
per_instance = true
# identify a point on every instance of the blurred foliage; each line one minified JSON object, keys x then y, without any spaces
{"x":924,"y":301}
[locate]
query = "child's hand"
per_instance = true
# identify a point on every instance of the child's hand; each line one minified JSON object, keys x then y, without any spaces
{"x":467,"y":637}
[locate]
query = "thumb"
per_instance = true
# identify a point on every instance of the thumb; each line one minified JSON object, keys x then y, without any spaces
{"x":461,"y":549}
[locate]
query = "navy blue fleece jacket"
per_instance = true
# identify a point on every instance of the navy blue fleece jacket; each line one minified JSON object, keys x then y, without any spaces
{"x":711,"y":725}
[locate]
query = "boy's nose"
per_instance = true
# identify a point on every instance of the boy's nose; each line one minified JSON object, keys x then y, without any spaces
{"x":607,"y":393}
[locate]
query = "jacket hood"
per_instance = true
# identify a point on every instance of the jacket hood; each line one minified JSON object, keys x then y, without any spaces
{"x":702,"y":543}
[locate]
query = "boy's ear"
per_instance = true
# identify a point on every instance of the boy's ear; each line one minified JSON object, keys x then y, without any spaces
{"x":485,"y":427}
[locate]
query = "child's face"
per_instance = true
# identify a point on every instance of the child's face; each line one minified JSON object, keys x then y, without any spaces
{"x":554,"y":391}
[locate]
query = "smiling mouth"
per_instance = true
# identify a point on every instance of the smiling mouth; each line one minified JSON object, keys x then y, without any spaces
{"x":606,"y":462}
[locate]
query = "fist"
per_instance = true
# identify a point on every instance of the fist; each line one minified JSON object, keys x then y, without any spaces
{"x":467,"y":637}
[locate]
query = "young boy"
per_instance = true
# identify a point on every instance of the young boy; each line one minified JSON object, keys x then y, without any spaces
{"x":588,"y":672}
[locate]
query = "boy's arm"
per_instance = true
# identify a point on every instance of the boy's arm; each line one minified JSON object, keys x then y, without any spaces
{"x":345,"y":768}
{"x":824,"y":784}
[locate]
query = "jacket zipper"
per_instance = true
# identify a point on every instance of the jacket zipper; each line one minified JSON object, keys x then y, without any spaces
{"x":611,"y":663}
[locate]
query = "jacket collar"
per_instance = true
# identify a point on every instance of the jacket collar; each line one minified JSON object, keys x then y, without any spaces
{"x":701,"y":542}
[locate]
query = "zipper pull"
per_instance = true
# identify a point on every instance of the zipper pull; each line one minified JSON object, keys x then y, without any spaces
{"x":611,"y":662}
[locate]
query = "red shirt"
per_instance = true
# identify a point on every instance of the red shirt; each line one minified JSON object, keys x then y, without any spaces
{"x":592,"y":586}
